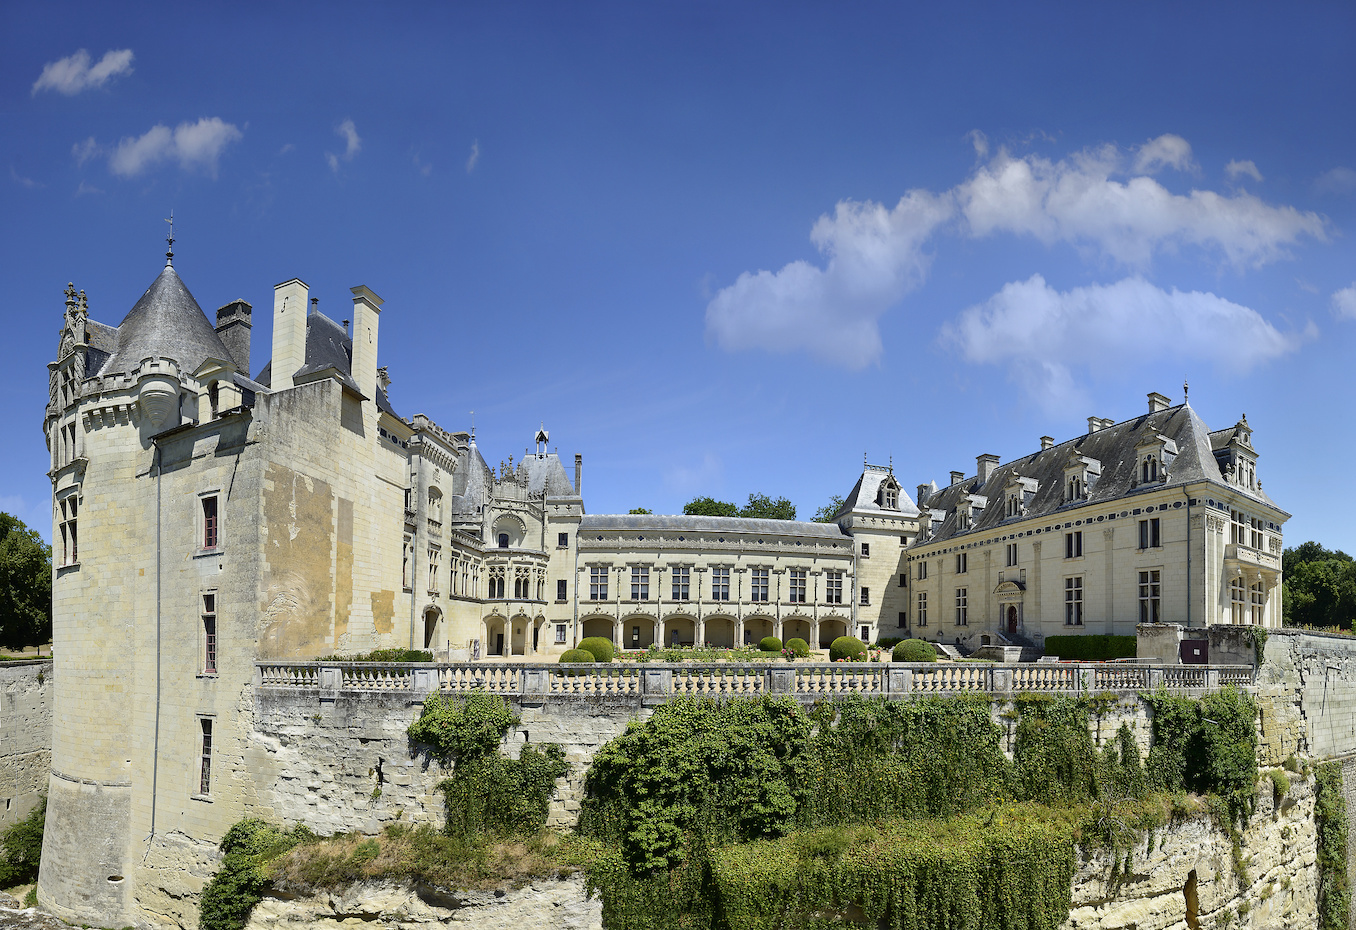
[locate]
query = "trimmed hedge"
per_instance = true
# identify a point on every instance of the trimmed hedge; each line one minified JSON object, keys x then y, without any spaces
{"x":770,"y":644}
{"x":602,"y":649}
{"x":799,"y":647}
{"x":577,"y":655}
{"x":847,"y":647}
{"x":1093,"y":647}
{"x":888,"y":642}
{"x":914,"y":650}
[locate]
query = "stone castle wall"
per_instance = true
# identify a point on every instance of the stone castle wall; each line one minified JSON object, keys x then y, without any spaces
{"x":25,"y":736}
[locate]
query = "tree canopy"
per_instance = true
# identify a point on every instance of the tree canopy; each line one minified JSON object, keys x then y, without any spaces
{"x":25,"y":585}
{"x":639,"y":510}
{"x":825,"y":514}
{"x":760,"y":507}
{"x":1319,"y":588}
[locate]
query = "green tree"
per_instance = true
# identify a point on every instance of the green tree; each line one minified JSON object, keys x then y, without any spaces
{"x":639,"y":510}
{"x":1319,"y":588}
{"x":825,"y":514}
{"x":762,"y":507}
{"x":709,"y":507}
{"x":25,"y":585}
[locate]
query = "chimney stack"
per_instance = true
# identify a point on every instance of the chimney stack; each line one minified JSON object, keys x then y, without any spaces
{"x":1094,"y":424}
{"x":1158,"y":402}
{"x":578,"y":474}
{"x":233,"y":326}
{"x":366,"y":311}
{"x":289,"y":331}
{"x":1047,"y":442}
{"x":957,"y":477}
{"x":984,"y":466}
{"x":924,"y":492}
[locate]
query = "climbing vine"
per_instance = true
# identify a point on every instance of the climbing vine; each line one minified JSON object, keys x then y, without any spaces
{"x":1330,"y":816}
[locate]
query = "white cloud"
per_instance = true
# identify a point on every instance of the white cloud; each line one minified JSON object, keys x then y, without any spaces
{"x":22,"y":181}
{"x":84,"y":151}
{"x":1167,"y":151}
{"x":475,"y":156}
{"x":1344,"y":303}
{"x":353,"y":144}
{"x":1236,"y":169}
{"x":980,"y":142}
{"x":1078,"y":200}
{"x":423,"y":167}
{"x":84,"y":189}
{"x":1336,"y":181}
{"x":73,"y":73}
{"x":1043,"y":335}
{"x":699,"y":476}
{"x":286,"y":148}
{"x":193,"y":145}
{"x":875,"y":256}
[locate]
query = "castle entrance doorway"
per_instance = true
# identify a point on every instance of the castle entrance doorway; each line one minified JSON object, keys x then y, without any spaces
{"x":1012,"y":620}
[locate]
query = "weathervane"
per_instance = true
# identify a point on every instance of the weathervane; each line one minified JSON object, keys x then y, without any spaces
{"x":169,"y":254}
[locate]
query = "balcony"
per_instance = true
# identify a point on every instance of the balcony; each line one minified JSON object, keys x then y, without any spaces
{"x":1248,"y":557}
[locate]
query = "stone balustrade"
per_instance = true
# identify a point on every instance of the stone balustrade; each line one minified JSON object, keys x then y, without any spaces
{"x":654,"y":682}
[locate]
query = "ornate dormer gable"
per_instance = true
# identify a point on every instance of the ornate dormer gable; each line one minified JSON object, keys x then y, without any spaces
{"x":1017,"y":495}
{"x":1080,"y":476}
{"x":1238,"y":459}
{"x":969,"y":509}
{"x":887,"y":494}
{"x":69,"y":369}
{"x":1154,"y":455}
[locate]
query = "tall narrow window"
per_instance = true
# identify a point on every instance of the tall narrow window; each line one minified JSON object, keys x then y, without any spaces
{"x":1073,"y":601}
{"x":205,"y":773}
{"x":720,"y":584}
{"x":797,"y":593}
{"x":759,"y":590}
{"x":562,"y":589}
{"x":922,"y":609}
{"x":904,"y":580}
{"x":209,"y":634}
{"x":1012,"y":554}
{"x":1149,"y":469}
{"x":833,"y":587}
{"x":962,"y":606}
{"x":1150,"y":533}
{"x":598,"y":583}
{"x":922,"y":571}
{"x":866,"y":596}
{"x":1150,"y":595}
{"x":70,"y":549}
{"x":640,"y":583}
{"x":682,"y":583}
{"x":209,"y":522}
{"x":503,"y":540}
{"x":1073,"y":545}
{"x":1238,"y":600}
{"x":435,"y":557}
{"x":962,"y":563}
{"x":1259,"y":602}
{"x":405,"y":563}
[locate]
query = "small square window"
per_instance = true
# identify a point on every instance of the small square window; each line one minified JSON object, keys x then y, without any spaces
{"x":563,"y":540}
{"x":560,"y":632}
{"x":866,"y":550}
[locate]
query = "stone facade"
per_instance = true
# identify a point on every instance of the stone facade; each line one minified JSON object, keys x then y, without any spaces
{"x":25,"y":736}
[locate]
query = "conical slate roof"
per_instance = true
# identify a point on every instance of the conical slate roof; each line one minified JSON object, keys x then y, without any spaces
{"x":166,"y":322}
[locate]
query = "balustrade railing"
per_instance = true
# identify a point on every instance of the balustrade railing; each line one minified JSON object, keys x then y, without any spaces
{"x":656,"y":681}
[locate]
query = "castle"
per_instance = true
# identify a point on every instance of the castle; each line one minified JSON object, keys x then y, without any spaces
{"x":204,"y":519}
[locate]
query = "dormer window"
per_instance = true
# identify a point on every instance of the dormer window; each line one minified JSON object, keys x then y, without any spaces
{"x":887,"y":496}
{"x":1148,"y":469}
{"x":1155,"y":454}
{"x":1018,"y":495}
{"x":1075,"y":489}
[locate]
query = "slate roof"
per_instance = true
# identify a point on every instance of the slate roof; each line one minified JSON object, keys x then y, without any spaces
{"x":102,"y":340}
{"x":471,"y":483}
{"x":327,"y":347}
{"x":166,"y":322}
{"x":659,"y":523}
{"x":1114,"y":447}
{"x":862,"y":497}
{"x":546,"y":472}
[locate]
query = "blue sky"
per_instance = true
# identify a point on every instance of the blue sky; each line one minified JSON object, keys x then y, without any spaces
{"x":721,"y":248}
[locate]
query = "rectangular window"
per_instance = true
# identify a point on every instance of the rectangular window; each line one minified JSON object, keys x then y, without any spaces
{"x":922,"y":609}
{"x":70,"y":550}
{"x":598,"y":583}
{"x":435,"y":557}
{"x":1149,"y":533}
{"x":405,"y":563}
{"x":1150,"y":595}
{"x":962,"y":563}
{"x":866,"y":550}
{"x":1073,"y":545}
{"x":1255,"y":533}
{"x":682,"y":583}
{"x":720,"y":584}
{"x":209,"y":634}
{"x":1012,"y":554}
{"x":833,"y":587}
{"x":563,"y":540}
{"x":904,"y":580}
{"x":962,"y":606}
{"x":209,"y":522}
{"x":640,"y":583}
{"x":205,"y":773}
{"x":1238,"y":600}
{"x":562,"y":589}
{"x":797,"y":595}
{"x":1259,"y":602}
{"x":759,"y":590}
{"x":922,"y":571}
{"x":560,"y":632}
{"x":903,"y":620}
{"x":866,"y":596}
{"x":1073,"y":601}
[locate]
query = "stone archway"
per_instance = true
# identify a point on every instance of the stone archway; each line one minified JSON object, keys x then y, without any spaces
{"x":796,"y":628}
{"x":680,"y":631}
{"x":719,"y":631}
{"x":431,"y":617}
{"x":830,"y":628}
{"x":637,"y":632}
{"x":756,"y":629}
{"x":600,"y":626}
{"x":496,"y":640}
{"x":518,"y":635}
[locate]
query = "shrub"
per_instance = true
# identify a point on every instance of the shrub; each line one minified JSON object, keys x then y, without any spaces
{"x":464,"y":729}
{"x":602,"y":649}
{"x":770,"y":644}
{"x":383,"y":655}
{"x":914,"y":650}
{"x":22,"y":848}
{"x":501,"y":796}
{"x":848,"y":648}
{"x":888,"y":642}
{"x":1091,"y":647}
{"x":577,"y":655}
{"x":798,"y":647}
{"x":239,"y":884}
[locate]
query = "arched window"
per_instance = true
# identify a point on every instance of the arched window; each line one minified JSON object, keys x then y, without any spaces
{"x":503,"y":540}
{"x":1149,"y":470}
{"x":1075,"y":488}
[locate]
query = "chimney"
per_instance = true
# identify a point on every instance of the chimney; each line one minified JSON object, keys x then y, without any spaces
{"x":578,"y":474}
{"x":289,"y":331}
{"x":1158,"y":402}
{"x":233,"y":326}
{"x":1094,"y":424}
{"x":1047,"y":442}
{"x":957,"y":477}
{"x":366,"y":310}
{"x":984,"y":466}
{"x":1108,"y":423}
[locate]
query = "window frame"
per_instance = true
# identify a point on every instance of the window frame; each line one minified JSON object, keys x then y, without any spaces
{"x":833,"y":587}
{"x":1150,"y":591}
{"x":759,"y":584}
{"x":963,"y":606}
{"x":797,"y":587}
{"x":921,"y":619}
{"x":680,"y":578}
{"x":598,"y":579}
{"x":1073,"y":601}
{"x":210,"y":528}
{"x":1073,"y":544}
{"x":207,"y":603}
{"x":720,"y":583}
{"x":640,"y":582}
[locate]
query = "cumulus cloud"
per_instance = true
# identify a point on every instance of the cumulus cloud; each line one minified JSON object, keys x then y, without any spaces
{"x":84,"y":151}
{"x":194,"y":145}
{"x":475,"y":156}
{"x":72,"y":74}
{"x":353,"y":144}
{"x":1344,"y":303}
{"x":874,"y":257}
{"x":1336,"y":181}
{"x":1042,"y":335}
{"x":1238,"y":169}
{"x":1167,"y":151}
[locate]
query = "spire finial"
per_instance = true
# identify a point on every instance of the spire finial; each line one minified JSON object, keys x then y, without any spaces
{"x":473,"y":426}
{"x":169,"y":253}
{"x":1186,"y":390}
